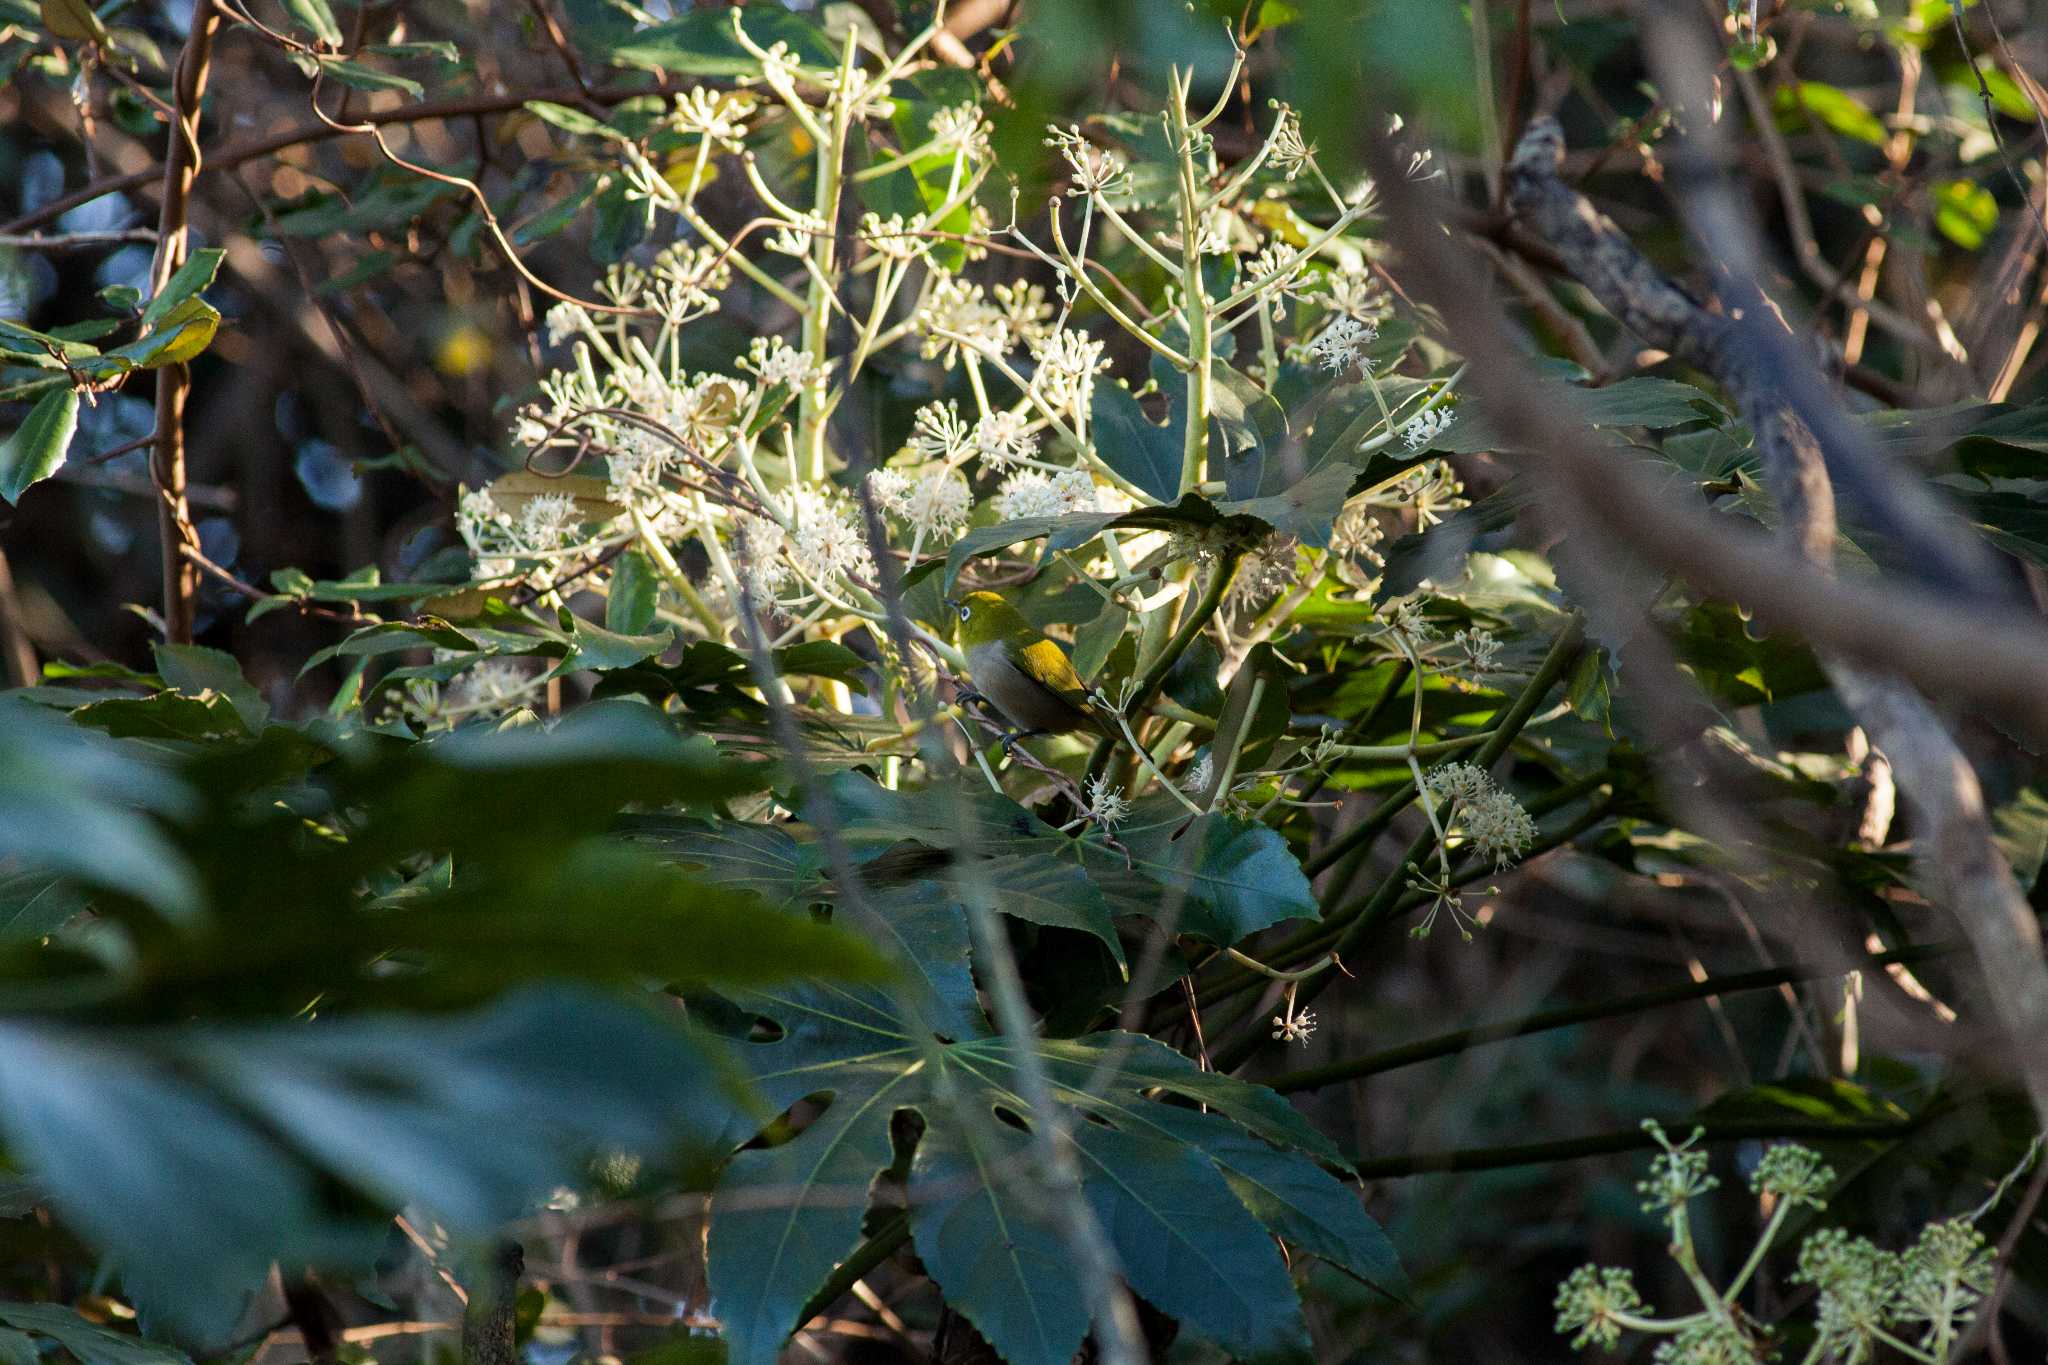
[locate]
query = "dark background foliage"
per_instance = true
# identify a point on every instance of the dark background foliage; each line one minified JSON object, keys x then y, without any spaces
{"x":373,"y":348}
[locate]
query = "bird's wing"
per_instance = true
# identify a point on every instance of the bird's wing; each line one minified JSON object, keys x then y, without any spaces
{"x":1046,"y":664}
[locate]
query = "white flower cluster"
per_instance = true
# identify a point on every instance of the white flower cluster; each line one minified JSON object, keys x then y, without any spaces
{"x":1097,"y":170}
{"x":1294,"y":1026}
{"x":1068,"y":362}
{"x":1004,"y":438}
{"x":933,"y":502}
{"x":1479,"y":651}
{"x":1032,"y":493}
{"x":1425,"y":427}
{"x":718,"y":115}
{"x":1342,"y":344}
{"x":1491,"y":819}
{"x":1289,"y":152}
{"x":961,"y":126}
{"x":545,"y":526}
{"x":1269,"y":569}
{"x":775,"y":361}
{"x":1107,"y":805}
{"x":826,"y":538}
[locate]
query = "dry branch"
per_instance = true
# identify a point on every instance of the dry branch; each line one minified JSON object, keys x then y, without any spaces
{"x":1957,"y":857}
{"x":174,"y":382}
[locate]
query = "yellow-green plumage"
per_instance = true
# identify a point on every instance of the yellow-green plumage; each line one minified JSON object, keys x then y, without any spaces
{"x":1024,"y":675}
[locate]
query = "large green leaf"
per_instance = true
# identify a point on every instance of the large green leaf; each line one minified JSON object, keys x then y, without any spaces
{"x":74,"y":802}
{"x":783,"y":1216}
{"x":1307,"y":509}
{"x":764,"y":859}
{"x":1132,"y":444}
{"x":1216,"y":877}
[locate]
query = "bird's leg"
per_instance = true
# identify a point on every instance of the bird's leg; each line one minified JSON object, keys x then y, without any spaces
{"x":1016,"y":737}
{"x":968,"y":695}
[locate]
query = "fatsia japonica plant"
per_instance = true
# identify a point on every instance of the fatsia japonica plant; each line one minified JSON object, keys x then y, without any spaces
{"x":991,"y":636}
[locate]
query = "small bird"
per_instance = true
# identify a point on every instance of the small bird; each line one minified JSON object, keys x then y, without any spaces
{"x":1019,"y":671}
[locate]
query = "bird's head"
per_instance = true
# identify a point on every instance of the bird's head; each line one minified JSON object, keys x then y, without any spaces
{"x":984,"y":616}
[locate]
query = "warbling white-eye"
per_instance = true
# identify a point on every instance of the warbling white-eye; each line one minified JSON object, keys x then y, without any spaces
{"x":1019,"y":671}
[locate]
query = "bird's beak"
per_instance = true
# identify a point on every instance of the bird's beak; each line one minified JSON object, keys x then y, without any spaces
{"x":950,"y":603}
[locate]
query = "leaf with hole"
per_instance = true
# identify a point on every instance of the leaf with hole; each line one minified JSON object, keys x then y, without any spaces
{"x":783,"y":1216}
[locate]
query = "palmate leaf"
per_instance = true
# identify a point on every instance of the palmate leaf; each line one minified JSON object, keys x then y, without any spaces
{"x":1187,"y":1198}
{"x":1220,"y":878}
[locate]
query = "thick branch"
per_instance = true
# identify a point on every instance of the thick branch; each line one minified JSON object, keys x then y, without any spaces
{"x":174,"y":382}
{"x":1749,"y":351}
{"x":1957,"y":856}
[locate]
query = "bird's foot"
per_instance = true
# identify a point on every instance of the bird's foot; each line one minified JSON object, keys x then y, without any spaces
{"x":1016,"y":737}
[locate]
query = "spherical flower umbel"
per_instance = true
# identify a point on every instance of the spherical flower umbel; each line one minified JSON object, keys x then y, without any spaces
{"x":1289,"y":152}
{"x":1678,"y":1174}
{"x":1003,"y":438}
{"x":547,"y":522}
{"x":1294,"y":1026}
{"x":1097,"y":170}
{"x":938,"y":434}
{"x":1858,"y":1286}
{"x":1591,"y":1303}
{"x":934,"y":502}
{"x":1342,"y":344}
{"x":1497,"y":826}
{"x":961,"y":125}
{"x":776,"y":362}
{"x":1791,"y":1172}
{"x":1031,"y":493}
{"x":1067,"y":364}
{"x":827,"y":539}
{"x":1457,"y":783}
{"x":720,"y":116}
{"x":1944,"y":1274}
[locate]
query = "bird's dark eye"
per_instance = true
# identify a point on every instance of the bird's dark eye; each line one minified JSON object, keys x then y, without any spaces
{"x":965,"y":613}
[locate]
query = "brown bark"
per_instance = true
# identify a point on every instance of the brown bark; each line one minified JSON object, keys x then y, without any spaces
{"x":1958,"y":860}
{"x":174,"y":382}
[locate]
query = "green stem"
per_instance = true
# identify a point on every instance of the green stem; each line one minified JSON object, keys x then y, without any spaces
{"x":1190,"y":626}
{"x":1318,"y":937}
{"x":1563,"y":651}
{"x":893,"y":1233}
{"x":811,"y":410}
{"x":1448,"y":1044}
{"x":672,"y":573}
{"x":1195,"y":300}
{"x":1756,"y":1255}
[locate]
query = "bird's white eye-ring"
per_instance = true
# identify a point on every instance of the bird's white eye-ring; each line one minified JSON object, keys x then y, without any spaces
{"x":965,"y":612}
